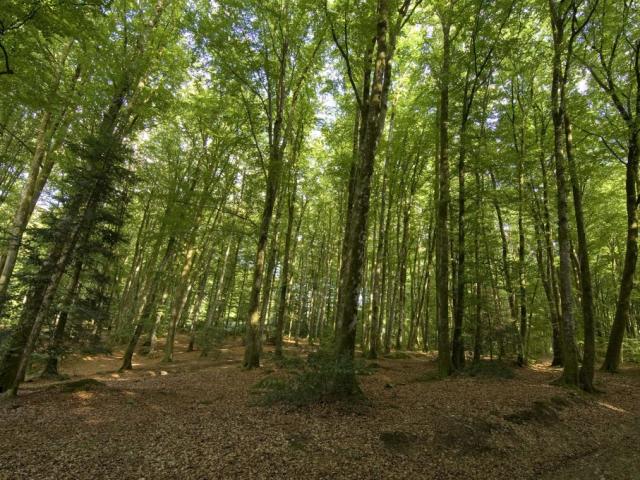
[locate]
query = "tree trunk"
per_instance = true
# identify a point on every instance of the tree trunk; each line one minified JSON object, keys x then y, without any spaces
{"x":442,"y":213}
{"x":21,"y":217}
{"x":179,"y":303}
{"x":285,"y":276}
{"x":569,"y":348}
{"x":377,"y":284}
{"x":457,"y":345}
{"x":589,"y":357}
{"x":148,"y":304}
{"x":620,"y":320}
{"x":253,"y":341}
{"x":553,"y":295}
{"x":39,"y":170}
{"x":350,"y":281}
{"x":55,"y":349}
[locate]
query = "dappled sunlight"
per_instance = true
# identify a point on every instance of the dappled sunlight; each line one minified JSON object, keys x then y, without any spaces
{"x":611,"y":407}
{"x":83,"y":395}
{"x":307,"y":239}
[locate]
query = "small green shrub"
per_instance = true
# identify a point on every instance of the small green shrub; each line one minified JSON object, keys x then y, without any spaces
{"x":318,"y":380}
{"x":290,"y":362}
{"x":271,"y":383}
{"x":210,"y":339}
{"x":99,"y":348}
{"x":631,"y":350}
{"x":489,"y":369}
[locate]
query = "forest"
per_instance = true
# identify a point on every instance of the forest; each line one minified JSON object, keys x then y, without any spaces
{"x":319,"y":238}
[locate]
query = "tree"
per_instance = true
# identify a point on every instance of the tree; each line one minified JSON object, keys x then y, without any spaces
{"x":610,"y":63}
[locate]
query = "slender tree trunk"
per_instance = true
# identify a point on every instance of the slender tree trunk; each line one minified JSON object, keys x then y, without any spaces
{"x":569,"y":348}
{"x":55,"y":349}
{"x":21,"y":217}
{"x":377,"y":284}
{"x":284,"y":282}
{"x":350,"y":281}
{"x":39,"y":170}
{"x":148,"y":304}
{"x":457,"y":345}
{"x":442,"y":212}
{"x":272,"y":258}
{"x":522,"y":291}
{"x":589,"y":357}
{"x":179,"y":303}
{"x":479,"y":215}
{"x":549,"y":262}
{"x":402,"y":274}
{"x":152,"y":339}
{"x":277,"y":144}
{"x":506,"y":271}
{"x":620,"y":320}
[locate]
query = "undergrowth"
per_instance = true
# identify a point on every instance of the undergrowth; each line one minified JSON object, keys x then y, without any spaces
{"x":319,"y":379}
{"x":489,"y":369}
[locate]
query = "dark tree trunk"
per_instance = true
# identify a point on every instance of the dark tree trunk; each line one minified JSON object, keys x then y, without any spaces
{"x":623,"y":304}
{"x":57,"y":342}
{"x":589,"y":357}
{"x":569,"y":348}
{"x":442,"y":213}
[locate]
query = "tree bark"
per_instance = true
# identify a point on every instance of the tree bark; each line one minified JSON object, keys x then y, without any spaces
{"x":442,"y":200}
{"x":589,"y":357}
{"x":55,"y":349}
{"x":569,"y":348}
{"x":253,"y":341}
{"x":356,"y":226}
{"x":614,"y":348}
{"x":285,"y":276}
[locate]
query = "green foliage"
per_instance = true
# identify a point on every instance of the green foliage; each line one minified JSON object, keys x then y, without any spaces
{"x":210,"y":339}
{"x":97,"y":349}
{"x":290,"y":362}
{"x":82,"y":385}
{"x":631,"y":350}
{"x":318,"y":380}
{"x":489,"y":369}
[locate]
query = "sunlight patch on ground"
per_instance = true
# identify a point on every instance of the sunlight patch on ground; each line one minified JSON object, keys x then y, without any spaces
{"x":612,"y":407}
{"x":83,"y":395}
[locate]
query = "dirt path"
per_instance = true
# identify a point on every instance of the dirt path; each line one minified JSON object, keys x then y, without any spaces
{"x":197,"y":419}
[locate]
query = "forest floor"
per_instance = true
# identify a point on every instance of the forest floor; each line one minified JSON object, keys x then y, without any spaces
{"x":198,"y":419}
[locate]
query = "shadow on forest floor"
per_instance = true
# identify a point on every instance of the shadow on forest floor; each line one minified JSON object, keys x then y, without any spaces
{"x":194,"y":418}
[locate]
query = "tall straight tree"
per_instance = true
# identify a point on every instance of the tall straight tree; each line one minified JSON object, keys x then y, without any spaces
{"x":616,"y":56}
{"x":560,"y":16}
{"x":371,"y":100}
{"x":588,"y":361}
{"x":442,"y":199}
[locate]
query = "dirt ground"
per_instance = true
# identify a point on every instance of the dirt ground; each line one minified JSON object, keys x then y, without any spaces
{"x":197,"y":419}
